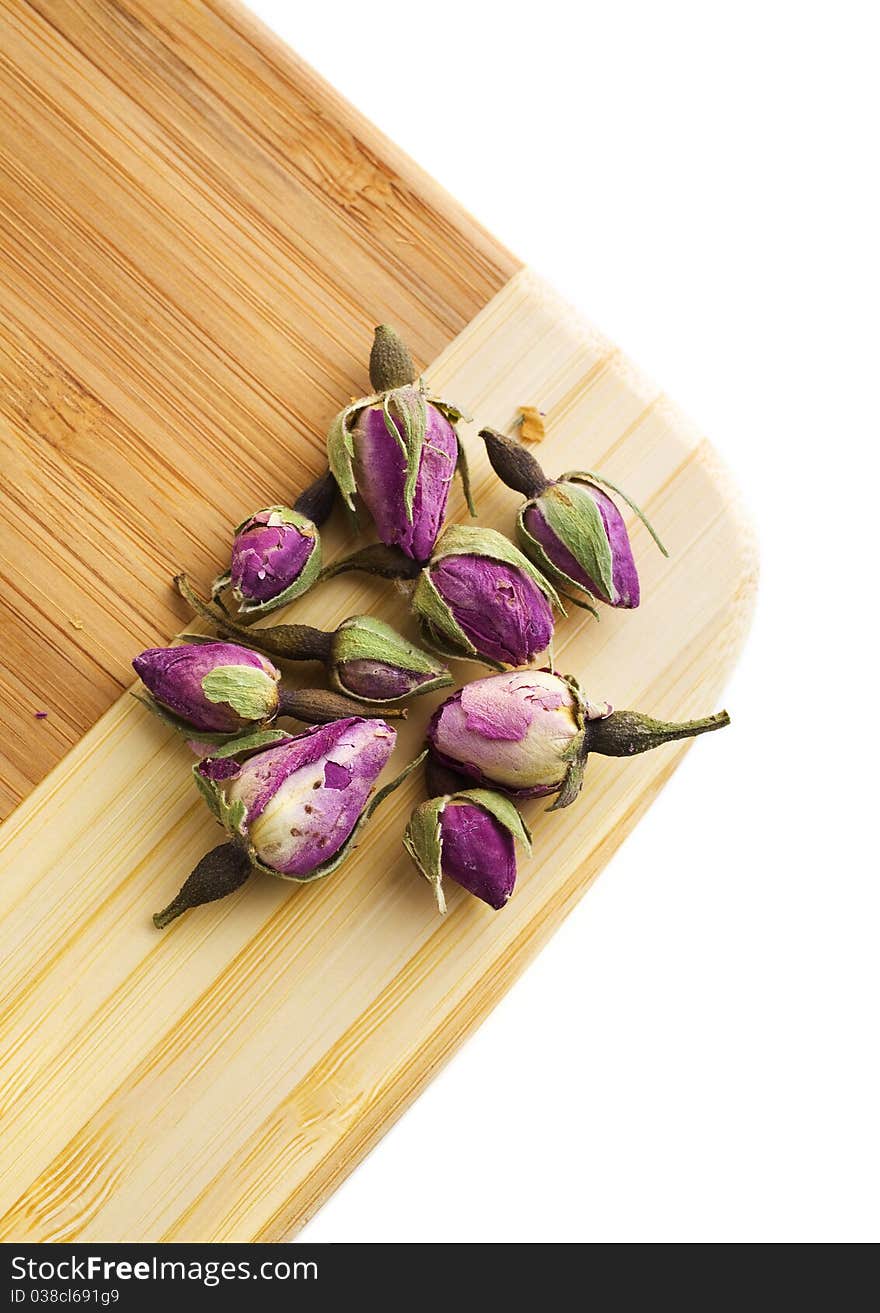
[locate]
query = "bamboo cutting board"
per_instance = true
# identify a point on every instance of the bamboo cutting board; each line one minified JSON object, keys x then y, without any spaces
{"x":198,"y":236}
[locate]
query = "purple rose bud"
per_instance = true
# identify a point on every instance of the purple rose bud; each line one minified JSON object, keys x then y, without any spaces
{"x":377,"y":681}
{"x":372,"y":661}
{"x":380,"y":470}
{"x":503,"y":613}
{"x":614,"y":580}
{"x":303,"y":798}
{"x":570,"y":528}
{"x":218,"y":688}
{"x":529,"y":733}
{"x":397,"y":451}
{"x":480,"y":598}
{"x":478,"y":853}
{"x":469,"y":838}
{"x":269,"y":553}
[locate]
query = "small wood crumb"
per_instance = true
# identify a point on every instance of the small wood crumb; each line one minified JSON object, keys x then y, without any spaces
{"x":76,"y":623}
{"x":531,"y":424}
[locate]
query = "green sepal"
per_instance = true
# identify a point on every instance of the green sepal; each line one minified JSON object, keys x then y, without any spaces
{"x":580,"y":699}
{"x":505,"y":812}
{"x":363,"y":637}
{"x":219,"y":586}
{"x":422,"y":840}
{"x":580,"y":527}
{"x":471,"y":540}
{"x":176,"y":723}
{"x":590,"y":476}
{"x":535,"y":552}
{"x":188,"y":731}
{"x":250,"y":691}
{"x":230,"y":815}
{"x":447,"y":409}
{"x":340,"y":448}
{"x":438,"y":625}
{"x":580,"y":603}
{"x":576,"y":752}
{"x":408,"y":404}
{"x":387,"y":789}
{"x":208,"y":791}
{"x":454,"y":415}
{"x":464,"y":474}
{"x":240,"y":744}
{"x":572,"y":783}
{"x":443,"y":647}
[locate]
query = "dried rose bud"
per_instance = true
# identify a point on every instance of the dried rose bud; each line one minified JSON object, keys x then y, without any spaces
{"x":373,"y":662}
{"x":529,"y":733}
{"x":222,"y":689}
{"x":364,"y":657}
{"x":397,"y":450}
{"x":219,"y":688}
{"x":570,"y":528}
{"x":292,"y":810}
{"x":479,"y":598}
{"x":276,"y":553}
{"x":303,"y":798}
{"x":468,"y":837}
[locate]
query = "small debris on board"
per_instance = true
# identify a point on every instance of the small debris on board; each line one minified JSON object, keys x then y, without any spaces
{"x":531,"y":424}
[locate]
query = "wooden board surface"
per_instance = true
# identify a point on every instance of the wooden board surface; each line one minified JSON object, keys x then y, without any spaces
{"x":196,"y":238}
{"x":214,"y":1082}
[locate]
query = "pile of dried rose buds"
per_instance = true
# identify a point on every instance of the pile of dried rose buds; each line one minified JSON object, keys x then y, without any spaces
{"x":293,"y":805}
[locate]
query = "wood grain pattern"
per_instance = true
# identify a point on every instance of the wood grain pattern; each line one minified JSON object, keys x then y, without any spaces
{"x":196,"y":237}
{"x":216,"y":1081}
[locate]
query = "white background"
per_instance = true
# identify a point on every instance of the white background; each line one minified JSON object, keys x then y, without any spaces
{"x":694,"y":1056}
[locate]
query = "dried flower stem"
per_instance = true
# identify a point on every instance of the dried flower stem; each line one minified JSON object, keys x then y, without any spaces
{"x":625,"y":733}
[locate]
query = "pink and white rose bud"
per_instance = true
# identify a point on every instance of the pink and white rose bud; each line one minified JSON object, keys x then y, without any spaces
{"x":303,"y":798}
{"x":529,"y":733}
{"x":292,"y":810}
